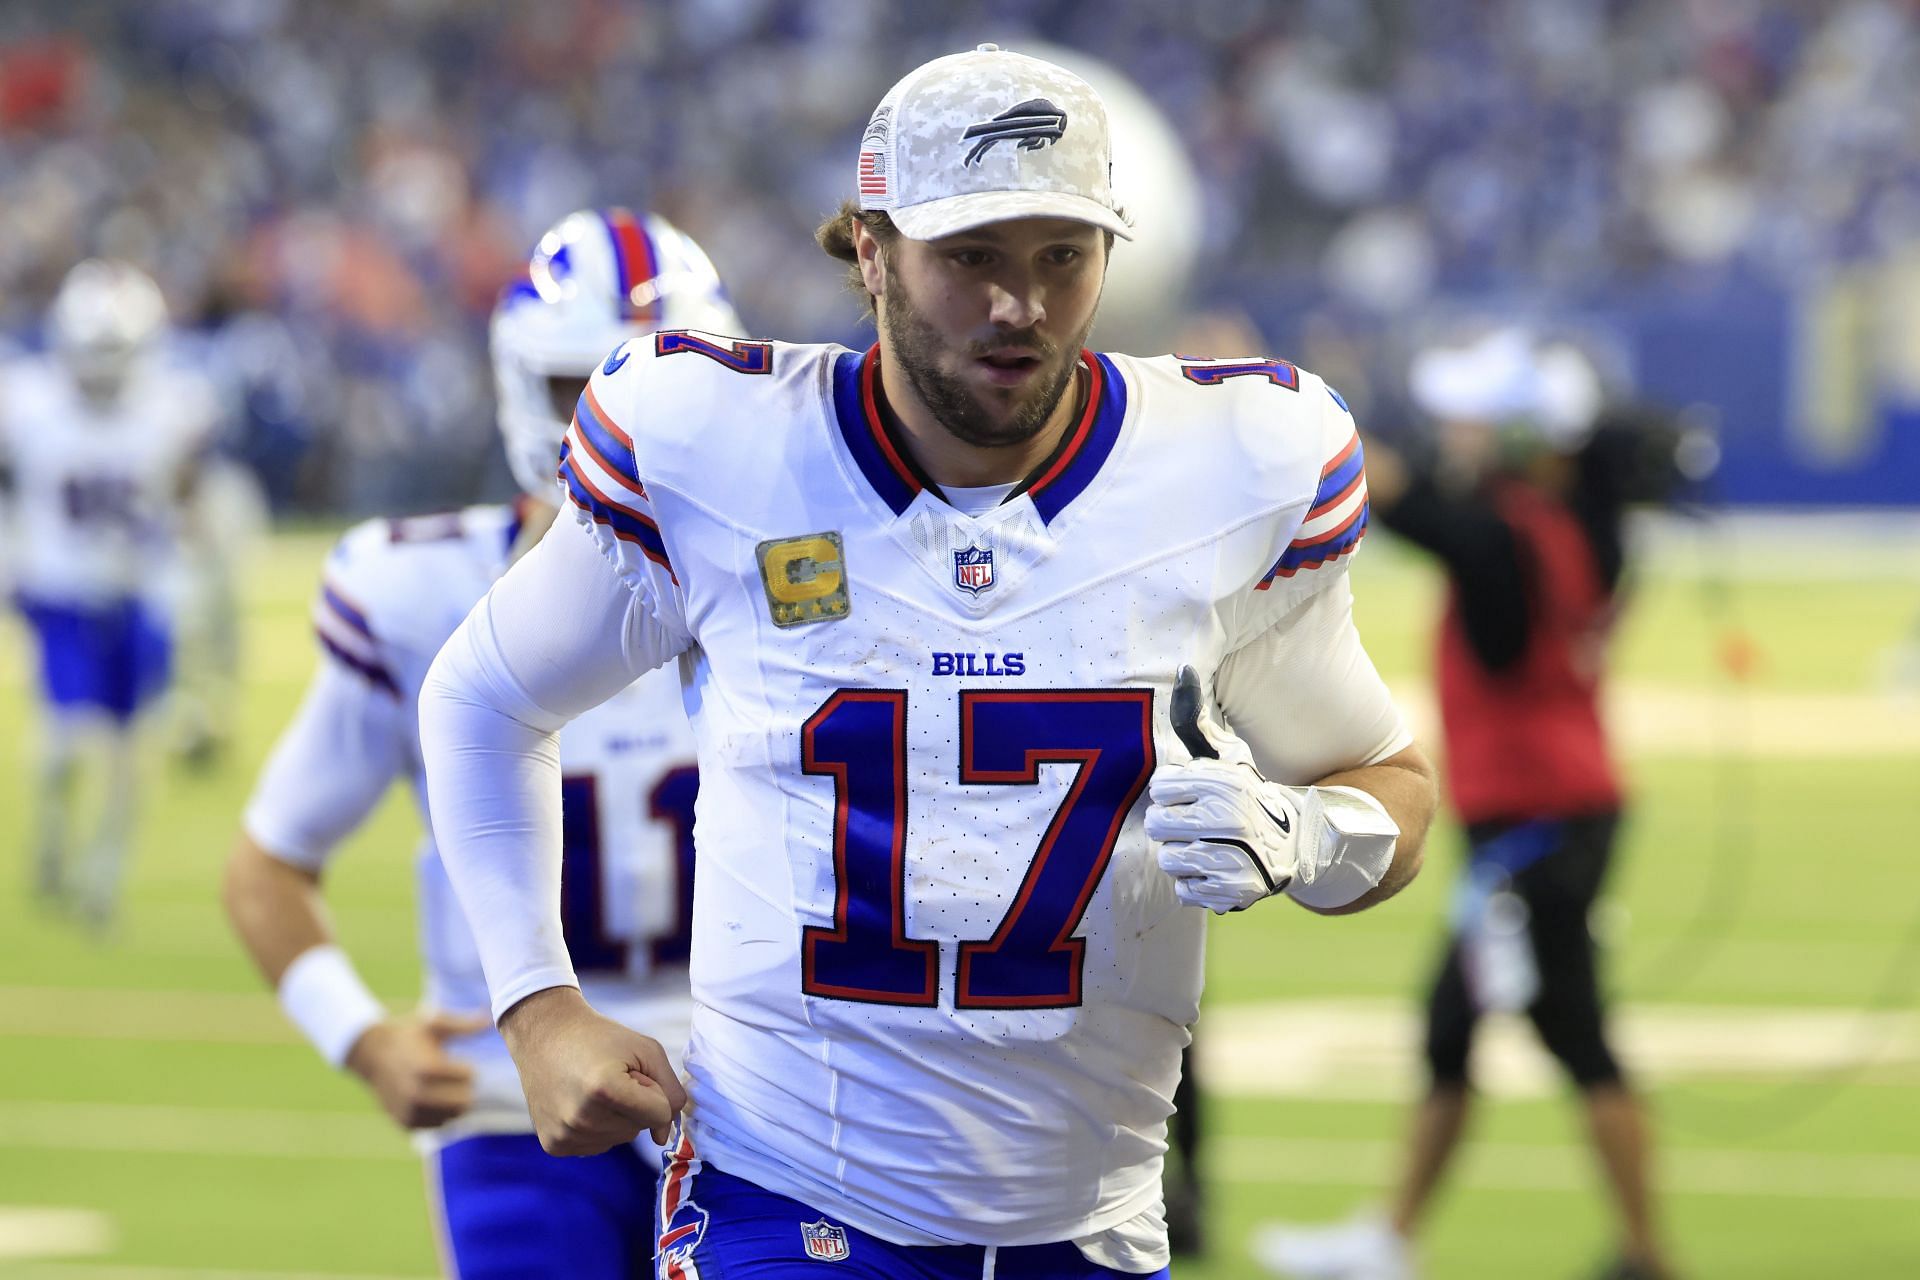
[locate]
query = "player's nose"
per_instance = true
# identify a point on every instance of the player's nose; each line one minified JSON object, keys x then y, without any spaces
{"x":1015,"y":304}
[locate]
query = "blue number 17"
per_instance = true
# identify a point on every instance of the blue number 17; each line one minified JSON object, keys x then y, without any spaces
{"x":1032,"y":961}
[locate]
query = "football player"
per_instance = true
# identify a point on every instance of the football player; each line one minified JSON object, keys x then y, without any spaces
{"x":1002,"y":657}
{"x":623,"y":797}
{"x":102,"y":441}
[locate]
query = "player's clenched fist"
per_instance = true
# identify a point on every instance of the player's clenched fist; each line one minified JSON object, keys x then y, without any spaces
{"x":1229,"y":837}
{"x":591,"y":1083}
{"x":406,"y":1064}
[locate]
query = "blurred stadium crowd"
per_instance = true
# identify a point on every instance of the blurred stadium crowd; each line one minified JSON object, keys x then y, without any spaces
{"x":331,"y":194}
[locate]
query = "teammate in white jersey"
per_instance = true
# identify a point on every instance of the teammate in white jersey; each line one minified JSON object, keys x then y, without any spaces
{"x":393,"y":591}
{"x":103,"y":441}
{"x":931,"y":605}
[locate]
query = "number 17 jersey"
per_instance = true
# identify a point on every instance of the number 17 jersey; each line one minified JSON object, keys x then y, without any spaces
{"x":941,"y":985}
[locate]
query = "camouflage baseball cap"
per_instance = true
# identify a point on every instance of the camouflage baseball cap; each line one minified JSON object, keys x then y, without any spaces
{"x":985,"y":136}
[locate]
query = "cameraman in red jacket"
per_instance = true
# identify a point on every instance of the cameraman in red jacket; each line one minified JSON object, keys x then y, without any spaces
{"x":1522,"y":505}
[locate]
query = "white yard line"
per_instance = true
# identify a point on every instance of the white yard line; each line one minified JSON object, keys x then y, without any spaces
{"x":200,"y":1131}
{"x":1651,"y":719}
{"x":1366,"y":1163}
{"x":99,"y":1013}
{"x":49,"y":1231}
{"x":1369,"y":1050}
{"x":1494,"y":1166}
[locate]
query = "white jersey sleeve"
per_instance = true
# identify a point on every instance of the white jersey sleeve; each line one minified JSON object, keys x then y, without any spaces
{"x":1320,"y":546}
{"x":1297,"y":683}
{"x":490,"y":712}
{"x":353,"y":734}
{"x":601,"y":482}
{"x":345,"y":746}
{"x":1305,"y":696}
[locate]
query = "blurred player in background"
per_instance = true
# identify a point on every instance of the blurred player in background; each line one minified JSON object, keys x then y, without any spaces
{"x":393,"y":591}
{"x":1522,"y":505}
{"x":940,"y":609}
{"x":102,"y":442}
{"x":228,"y":519}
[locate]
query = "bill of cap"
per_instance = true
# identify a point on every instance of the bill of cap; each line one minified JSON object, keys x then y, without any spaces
{"x":953,"y":214}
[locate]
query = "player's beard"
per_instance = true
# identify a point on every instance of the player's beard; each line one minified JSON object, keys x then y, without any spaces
{"x":916,"y":347}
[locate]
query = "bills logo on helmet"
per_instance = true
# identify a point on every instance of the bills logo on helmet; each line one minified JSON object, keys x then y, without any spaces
{"x":825,"y":1242}
{"x":973,"y":569}
{"x":1033,"y":124}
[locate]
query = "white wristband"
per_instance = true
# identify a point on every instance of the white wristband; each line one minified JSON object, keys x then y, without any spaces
{"x":1353,"y":839}
{"x":325,"y":998}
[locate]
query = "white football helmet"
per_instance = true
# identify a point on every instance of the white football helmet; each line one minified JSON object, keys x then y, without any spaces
{"x":105,"y":316}
{"x":597,"y":278}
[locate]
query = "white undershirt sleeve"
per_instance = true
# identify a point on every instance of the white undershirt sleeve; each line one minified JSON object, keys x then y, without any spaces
{"x":559,"y":634}
{"x":1305,"y":697}
{"x":330,"y":767}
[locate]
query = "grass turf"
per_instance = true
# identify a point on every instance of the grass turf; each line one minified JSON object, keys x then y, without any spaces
{"x":150,"y":1079}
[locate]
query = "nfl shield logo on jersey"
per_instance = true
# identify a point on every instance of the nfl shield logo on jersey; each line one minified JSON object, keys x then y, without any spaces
{"x":825,"y":1242}
{"x":973,"y":569}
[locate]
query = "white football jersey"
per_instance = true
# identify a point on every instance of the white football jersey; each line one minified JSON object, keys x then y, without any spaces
{"x":392,"y":592}
{"x":99,"y":487}
{"x":941,"y":985}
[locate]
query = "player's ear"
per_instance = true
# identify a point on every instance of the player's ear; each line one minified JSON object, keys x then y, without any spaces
{"x":867,"y":250}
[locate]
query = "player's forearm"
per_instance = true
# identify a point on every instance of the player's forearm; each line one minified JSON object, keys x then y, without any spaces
{"x":275,"y":909}
{"x":539,"y":1016}
{"x":278,"y":913}
{"x":493,"y":787}
{"x":1406,"y":785}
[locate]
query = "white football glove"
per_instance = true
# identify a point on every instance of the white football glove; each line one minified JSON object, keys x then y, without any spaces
{"x":1229,"y":837}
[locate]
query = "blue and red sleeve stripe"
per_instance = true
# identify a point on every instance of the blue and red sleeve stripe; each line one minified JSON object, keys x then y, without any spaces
{"x":1336,"y":521}
{"x":602,"y":479}
{"x":344,"y":632}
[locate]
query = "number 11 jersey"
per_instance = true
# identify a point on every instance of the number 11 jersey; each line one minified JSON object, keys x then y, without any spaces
{"x":392,"y":591}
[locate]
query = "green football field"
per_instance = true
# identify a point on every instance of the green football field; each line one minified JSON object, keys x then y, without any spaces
{"x":1764,"y":935}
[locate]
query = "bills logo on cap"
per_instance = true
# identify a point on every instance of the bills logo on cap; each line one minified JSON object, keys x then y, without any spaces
{"x":825,"y":1242}
{"x":1033,"y":124}
{"x":973,"y":569}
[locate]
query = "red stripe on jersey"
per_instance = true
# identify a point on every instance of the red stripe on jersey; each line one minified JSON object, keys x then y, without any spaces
{"x":870,"y":370}
{"x":1338,"y":498}
{"x":1096,"y":383}
{"x":613,"y":428}
{"x":586,"y":482}
{"x":583,"y":443}
{"x":1335,"y":532}
{"x":1340,"y":458}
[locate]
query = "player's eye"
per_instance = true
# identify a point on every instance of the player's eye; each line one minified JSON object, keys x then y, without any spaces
{"x":564,"y":391}
{"x":1063,"y":255}
{"x":970,"y":257}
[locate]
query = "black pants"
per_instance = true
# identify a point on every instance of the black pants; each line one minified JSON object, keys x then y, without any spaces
{"x":1559,"y":890}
